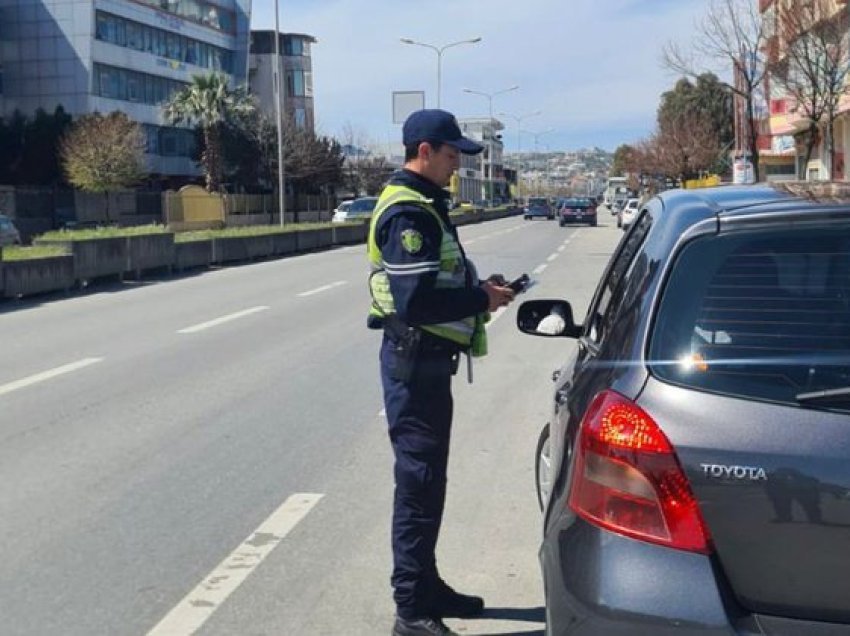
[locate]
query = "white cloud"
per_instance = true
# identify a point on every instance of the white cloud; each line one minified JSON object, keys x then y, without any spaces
{"x":592,"y":66}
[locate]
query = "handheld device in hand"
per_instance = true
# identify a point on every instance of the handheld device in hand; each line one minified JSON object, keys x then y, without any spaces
{"x":519,"y":285}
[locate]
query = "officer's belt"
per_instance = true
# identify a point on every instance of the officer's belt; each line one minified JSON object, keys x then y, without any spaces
{"x":394,"y":329}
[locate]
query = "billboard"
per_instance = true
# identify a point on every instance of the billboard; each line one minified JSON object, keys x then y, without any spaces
{"x":406,"y":102}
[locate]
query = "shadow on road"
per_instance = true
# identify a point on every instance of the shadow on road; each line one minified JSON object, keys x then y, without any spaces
{"x":531,"y":614}
{"x":527,"y":614}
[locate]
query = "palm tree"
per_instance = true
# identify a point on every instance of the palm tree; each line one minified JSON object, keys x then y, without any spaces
{"x":209,"y":103}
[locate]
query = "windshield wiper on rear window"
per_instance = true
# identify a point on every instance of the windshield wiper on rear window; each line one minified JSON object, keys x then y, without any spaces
{"x":841,"y":394}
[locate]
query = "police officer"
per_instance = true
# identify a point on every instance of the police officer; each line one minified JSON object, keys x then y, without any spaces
{"x":427,"y":298}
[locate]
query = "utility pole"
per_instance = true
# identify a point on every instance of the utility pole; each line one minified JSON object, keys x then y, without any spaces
{"x":278,"y":103}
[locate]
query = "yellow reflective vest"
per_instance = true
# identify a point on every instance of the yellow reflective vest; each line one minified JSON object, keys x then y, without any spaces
{"x":452,"y":273}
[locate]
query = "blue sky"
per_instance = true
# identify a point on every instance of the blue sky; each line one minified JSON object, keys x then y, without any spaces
{"x":591,"y":66}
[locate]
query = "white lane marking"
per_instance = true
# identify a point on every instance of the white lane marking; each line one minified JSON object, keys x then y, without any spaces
{"x":539,"y":269}
{"x":551,"y":257}
{"x":382,"y":413}
{"x":194,"y":610}
{"x":319,"y":290}
{"x":222,"y":320}
{"x":562,"y":248}
{"x":47,"y":375}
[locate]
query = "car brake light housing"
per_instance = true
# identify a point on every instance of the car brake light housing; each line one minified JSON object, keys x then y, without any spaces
{"x":628,"y":479}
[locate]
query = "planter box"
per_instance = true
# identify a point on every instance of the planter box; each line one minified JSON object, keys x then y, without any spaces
{"x":314,"y":239}
{"x":193,"y":254}
{"x":350,"y":234}
{"x":95,"y":258}
{"x":242,"y":248}
{"x":284,"y":243}
{"x":37,"y":276}
{"x":150,"y":251}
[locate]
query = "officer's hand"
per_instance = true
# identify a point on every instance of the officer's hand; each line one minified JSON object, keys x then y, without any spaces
{"x":498,"y":295}
{"x":497,"y":279}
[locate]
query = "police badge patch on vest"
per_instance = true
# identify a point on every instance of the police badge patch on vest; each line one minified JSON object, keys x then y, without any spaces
{"x":411,"y":241}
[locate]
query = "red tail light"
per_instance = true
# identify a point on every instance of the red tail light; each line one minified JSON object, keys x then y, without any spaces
{"x":628,"y":479}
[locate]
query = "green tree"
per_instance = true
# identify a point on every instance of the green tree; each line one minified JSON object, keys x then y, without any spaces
{"x":103,"y":152}
{"x":209,"y":103}
{"x":623,"y":157}
{"x":708,"y":101}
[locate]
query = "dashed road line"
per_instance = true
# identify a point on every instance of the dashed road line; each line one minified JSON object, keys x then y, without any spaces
{"x":551,"y":258}
{"x":195,"y":609}
{"x":222,"y":320}
{"x":321,"y":289}
{"x":47,"y":375}
{"x":539,"y":269}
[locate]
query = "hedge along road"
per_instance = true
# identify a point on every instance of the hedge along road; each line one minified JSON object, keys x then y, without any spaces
{"x":128,"y":483}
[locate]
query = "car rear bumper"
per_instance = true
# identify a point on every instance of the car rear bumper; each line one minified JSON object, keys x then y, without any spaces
{"x":585,"y":218}
{"x":598,"y":582}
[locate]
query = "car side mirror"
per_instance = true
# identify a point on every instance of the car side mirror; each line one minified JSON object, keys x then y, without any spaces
{"x":549,"y":318}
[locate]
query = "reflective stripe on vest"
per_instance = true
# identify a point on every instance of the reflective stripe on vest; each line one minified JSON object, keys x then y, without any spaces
{"x":451,"y":272}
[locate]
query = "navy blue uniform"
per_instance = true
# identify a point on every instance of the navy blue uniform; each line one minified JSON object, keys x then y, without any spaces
{"x":419,"y":412}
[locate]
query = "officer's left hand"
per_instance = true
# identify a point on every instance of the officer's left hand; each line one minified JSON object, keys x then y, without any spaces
{"x":497,"y":279}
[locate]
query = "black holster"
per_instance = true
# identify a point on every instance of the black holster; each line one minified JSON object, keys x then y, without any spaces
{"x":406,"y":342}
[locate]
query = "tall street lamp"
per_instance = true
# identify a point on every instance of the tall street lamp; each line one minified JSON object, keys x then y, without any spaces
{"x":518,"y":119}
{"x":439,"y":51}
{"x":490,"y":96}
{"x":278,"y":99}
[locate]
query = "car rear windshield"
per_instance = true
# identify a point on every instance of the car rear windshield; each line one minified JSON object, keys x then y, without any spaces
{"x":577,"y":203}
{"x":759,"y":315}
{"x":538,"y":202}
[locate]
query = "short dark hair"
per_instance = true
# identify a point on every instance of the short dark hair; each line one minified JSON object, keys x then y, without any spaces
{"x":411,"y":151}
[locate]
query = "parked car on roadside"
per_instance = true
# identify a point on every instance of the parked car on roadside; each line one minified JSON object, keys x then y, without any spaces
{"x":343,"y":207}
{"x":358,"y":210}
{"x":627,"y":213}
{"x":9,"y":234}
{"x":538,"y":207}
{"x":695,"y":473}
{"x":577,"y":210}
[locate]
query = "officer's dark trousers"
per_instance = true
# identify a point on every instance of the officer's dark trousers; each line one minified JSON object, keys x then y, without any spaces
{"x":419,"y":414}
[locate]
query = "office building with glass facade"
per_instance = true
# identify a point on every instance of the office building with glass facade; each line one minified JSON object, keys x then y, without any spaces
{"x":126,"y":55}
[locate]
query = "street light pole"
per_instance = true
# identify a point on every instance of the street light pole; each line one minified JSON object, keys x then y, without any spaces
{"x":490,"y":146}
{"x":518,"y":119}
{"x":278,"y":63}
{"x":439,"y":51}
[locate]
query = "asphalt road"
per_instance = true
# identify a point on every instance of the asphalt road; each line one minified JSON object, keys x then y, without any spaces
{"x":208,"y":454}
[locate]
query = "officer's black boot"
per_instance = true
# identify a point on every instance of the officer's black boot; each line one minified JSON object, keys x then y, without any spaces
{"x":421,"y":627}
{"x":448,"y":603}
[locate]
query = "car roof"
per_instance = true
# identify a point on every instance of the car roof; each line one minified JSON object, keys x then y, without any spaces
{"x":748,"y":201}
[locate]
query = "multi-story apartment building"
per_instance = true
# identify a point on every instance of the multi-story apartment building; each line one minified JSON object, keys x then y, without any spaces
{"x":788,"y":125}
{"x":482,"y":176}
{"x":297,"y":65}
{"x":126,"y":55}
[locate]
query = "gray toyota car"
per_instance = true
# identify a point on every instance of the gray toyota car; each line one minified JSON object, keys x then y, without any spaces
{"x":695,"y":474}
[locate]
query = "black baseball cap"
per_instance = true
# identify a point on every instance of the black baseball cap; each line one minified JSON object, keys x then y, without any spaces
{"x":437,"y":126}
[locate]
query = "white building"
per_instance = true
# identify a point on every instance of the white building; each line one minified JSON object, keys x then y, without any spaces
{"x":482,"y":176}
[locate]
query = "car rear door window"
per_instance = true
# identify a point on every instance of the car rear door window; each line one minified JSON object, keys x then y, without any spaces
{"x":609,"y":296}
{"x":760,"y":315}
